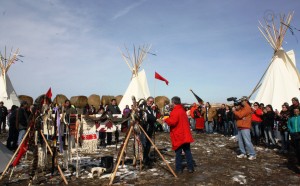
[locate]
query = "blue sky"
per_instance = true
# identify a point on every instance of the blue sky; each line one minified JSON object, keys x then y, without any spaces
{"x":213,"y":47}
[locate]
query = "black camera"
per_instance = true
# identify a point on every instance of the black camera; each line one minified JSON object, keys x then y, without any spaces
{"x":232,"y":99}
{"x":236,"y":102}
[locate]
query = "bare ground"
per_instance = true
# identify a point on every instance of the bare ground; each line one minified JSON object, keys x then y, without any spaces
{"x":214,"y":156}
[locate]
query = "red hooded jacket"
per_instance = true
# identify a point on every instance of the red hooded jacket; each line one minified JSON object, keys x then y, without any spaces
{"x":180,"y":132}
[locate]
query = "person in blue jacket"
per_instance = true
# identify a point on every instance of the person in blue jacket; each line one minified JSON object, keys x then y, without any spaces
{"x":294,"y":128}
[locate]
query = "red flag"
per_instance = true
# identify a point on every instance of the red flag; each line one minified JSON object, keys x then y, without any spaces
{"x":22,"y":151}
{"x":49,"y":93}
{"x":157,"y":76}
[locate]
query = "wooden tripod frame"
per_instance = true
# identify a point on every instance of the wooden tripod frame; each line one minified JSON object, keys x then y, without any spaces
{"x":125,"y":145}
{"x":49,"y":148}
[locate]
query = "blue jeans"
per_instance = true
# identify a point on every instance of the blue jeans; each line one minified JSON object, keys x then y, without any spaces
{"x":268,"y":131}
{"x":166,"y":127}
{"x":209,"y":127}
{"x":21,"y":135}
{"x":284,"y":140}
{"x":256,"y":132}
{"x":188,"y":155}
{"x":244,"y":140}
{"x":226,"y":128}
{"x":192,"y":123}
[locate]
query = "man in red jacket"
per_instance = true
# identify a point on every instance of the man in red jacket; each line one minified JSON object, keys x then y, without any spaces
{"x":180,"y":134}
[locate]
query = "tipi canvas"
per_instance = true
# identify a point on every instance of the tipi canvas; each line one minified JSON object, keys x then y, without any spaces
{"x":7,"y":92}
{"x":5,"y":155}
{"x":138,"y":86}
{"x":281,"y":81}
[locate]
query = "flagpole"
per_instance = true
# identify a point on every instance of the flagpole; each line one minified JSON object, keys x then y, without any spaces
{"x":154,"y":89}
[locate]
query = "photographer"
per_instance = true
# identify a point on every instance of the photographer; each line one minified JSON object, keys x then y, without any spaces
{"x":242,"y":112}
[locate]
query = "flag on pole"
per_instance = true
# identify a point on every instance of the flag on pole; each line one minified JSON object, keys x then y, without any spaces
{"x":22,"y":151}
{"x":49,"y":93}
{"x":158,"y":76}
{"x":200,"y":101}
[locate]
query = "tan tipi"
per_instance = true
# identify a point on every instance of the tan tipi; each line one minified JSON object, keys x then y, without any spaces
{"x":138,"y":85}
{"x":7,"y":92}
{"x":281,"y":80}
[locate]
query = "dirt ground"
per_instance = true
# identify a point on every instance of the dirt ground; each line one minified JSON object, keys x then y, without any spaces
{"x":214,"y":156}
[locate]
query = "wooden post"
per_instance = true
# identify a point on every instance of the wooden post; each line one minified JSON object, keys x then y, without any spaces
{"x":13,"y":157}
{"x":121,"y":154}
{"x":58,"y":167}
{"x":162,"y":157}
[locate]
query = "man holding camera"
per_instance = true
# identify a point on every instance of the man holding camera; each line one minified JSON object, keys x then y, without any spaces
{"x":242,"y":112}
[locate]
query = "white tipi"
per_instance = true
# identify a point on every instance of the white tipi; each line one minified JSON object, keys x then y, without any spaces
{"x":138,"y":86}
{"x":7,"y":92}
{"x":281,"y":81}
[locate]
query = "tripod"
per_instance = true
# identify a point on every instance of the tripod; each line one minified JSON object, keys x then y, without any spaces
{"x":135,"y":123}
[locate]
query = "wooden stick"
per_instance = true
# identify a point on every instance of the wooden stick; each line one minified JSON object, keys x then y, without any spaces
{"x":13,"y":157}
{"x":120,"y":157}
{"x":162,"y":157}
{"x":58,"y":167}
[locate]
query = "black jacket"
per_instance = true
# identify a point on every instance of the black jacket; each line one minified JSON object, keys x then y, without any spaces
{"x":268,"y":119}
{"x":3,"y":112}
{"x":22,"y":119}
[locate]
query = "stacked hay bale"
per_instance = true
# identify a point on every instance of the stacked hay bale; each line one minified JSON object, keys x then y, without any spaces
{"x":60,"y":99}
{"x":118,"y":99}
{"x":79,"y":101}
{"x":41,"y":99}
{"x":26,"y":98}
{"x":94,"y":99}
{"x":105,"y":99}
{"x":161,"y":101}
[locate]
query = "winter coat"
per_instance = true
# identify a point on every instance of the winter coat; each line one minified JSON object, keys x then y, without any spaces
{"x":294,"y":124}
{"x":3,"y":113}
{"x":282,"y":120}
{"x":257,"y":115}
{"x":269,"y":119}
{"x":243,"y":117}
{"x":113,"y":109}
{"x":211,"y":114}
{"x":180,"y":132}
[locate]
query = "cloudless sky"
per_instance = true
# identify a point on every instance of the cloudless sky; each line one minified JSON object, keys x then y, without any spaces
{"x":211,"y":46}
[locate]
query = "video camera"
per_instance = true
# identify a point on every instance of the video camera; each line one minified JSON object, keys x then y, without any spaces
{"x":236,"y":101}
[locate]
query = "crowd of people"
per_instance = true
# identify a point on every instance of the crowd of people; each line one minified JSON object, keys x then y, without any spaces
{"x":251,"y":124}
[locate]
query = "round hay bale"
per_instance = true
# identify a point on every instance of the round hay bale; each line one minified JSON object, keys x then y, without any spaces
{"x":40,"y":100}
{"x":60,"y":99}
{"x":161,"y":101}
{"x":105,"y":100}
{"x":26,"y":98}
{"x":79,"y":101}
{"x":94,"y":100}
{"x":118,"y":99}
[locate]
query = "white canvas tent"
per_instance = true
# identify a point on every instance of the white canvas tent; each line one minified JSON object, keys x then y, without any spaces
{"x":7,"y":92}
{"x":281,"y":81}
{"x":138,"y":85}
{"x":5,"y":155}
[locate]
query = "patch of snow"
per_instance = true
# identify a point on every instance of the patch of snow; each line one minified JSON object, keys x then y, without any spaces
{"x":241,"y":179}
